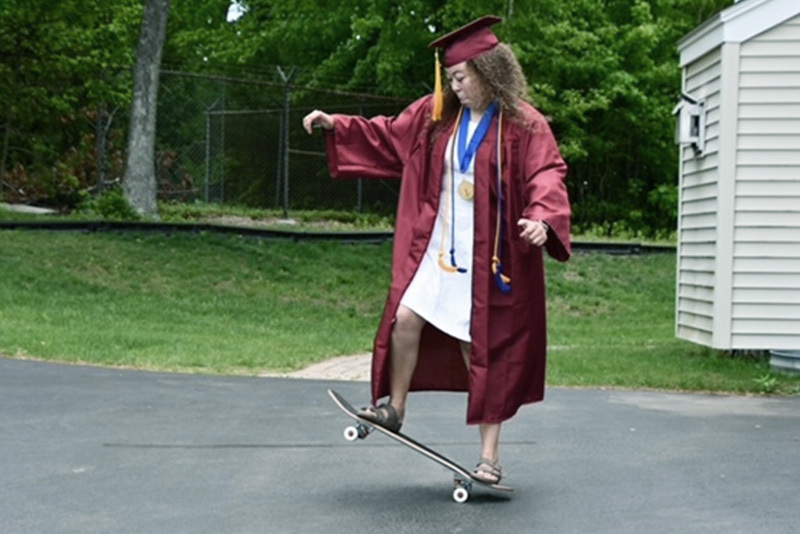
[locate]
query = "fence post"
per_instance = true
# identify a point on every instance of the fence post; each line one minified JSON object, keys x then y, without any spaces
{"x":279,"y":170}
{"x":208,"y":153}
{"x":4,"y":156}
{"x":222,"y":142}
{"x":211,"y":111}
{"x":288,"y":83}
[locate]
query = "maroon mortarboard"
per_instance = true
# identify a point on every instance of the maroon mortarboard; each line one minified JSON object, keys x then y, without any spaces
{"x":469,"y":41}
{"x":463,"y":44}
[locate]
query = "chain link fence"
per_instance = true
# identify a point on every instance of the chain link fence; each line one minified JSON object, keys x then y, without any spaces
{"x":240,"y":142}
{"x":219,"y":140}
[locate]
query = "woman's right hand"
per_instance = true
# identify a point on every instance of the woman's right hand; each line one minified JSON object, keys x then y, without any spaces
{"x":317,"y":118}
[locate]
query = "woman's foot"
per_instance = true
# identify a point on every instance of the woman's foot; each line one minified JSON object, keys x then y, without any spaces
{"x":384,"y":415}
{"x":488,"y":472}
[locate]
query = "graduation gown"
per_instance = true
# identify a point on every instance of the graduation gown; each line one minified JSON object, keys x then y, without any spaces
{"x":509,"y":334}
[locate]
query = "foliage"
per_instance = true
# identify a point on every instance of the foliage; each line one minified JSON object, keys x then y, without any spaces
{"x":61,"y":64}
{"x":110,"y":204}
{"x":605,"y":71}
{"x":767,"y":383}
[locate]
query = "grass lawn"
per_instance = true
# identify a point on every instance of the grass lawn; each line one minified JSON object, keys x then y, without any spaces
{"x":223,"y":304}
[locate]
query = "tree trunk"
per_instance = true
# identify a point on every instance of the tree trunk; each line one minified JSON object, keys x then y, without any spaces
{"x":140,"y":172}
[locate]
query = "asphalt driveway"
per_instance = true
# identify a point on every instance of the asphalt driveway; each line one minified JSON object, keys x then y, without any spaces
{"x":86,"y":450}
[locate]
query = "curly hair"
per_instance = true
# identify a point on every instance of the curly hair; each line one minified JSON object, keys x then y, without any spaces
{"x":500,"y":75}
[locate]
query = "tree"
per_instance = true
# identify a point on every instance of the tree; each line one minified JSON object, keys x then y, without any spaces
{"x":139,"y":184}
{"x":59,"y":63}
{"x":605,"y":71}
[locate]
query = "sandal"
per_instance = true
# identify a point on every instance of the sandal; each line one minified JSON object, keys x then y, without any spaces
{"x":488,"y":472}
{"x":384,"y":415}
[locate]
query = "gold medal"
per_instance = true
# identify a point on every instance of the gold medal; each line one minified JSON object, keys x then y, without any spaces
{"x":466,"y":190}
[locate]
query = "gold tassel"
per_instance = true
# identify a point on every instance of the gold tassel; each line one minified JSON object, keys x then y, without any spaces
{"x":495,"y":263}
{"x":438,"y":93}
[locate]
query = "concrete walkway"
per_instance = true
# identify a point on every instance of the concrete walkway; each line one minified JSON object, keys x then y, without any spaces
{"x":351,"y":368}
{"x":86,"y":450}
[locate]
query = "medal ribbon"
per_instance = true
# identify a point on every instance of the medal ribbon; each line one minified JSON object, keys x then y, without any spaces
{"x":467,"y":152}
{"x":503,"y":282}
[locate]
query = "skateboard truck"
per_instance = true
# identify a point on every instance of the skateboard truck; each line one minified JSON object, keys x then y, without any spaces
{"x":357,"y":431}
{"x":461,"y":489}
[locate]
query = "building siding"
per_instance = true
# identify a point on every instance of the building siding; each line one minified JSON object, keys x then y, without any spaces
{"x":766,"y":249}
{"x":699,"y":188}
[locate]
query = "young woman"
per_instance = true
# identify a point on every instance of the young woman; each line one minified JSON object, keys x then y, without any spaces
{"x":482,"y":195}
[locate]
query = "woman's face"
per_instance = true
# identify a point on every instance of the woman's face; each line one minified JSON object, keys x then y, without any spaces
{"x":467,"y":87}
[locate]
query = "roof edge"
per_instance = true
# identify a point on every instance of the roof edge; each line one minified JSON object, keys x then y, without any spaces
{"x":731,"y":25}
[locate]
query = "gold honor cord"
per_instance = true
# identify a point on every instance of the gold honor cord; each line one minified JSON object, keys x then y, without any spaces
{"x":448,"y":194}
{"x":503,"y":281}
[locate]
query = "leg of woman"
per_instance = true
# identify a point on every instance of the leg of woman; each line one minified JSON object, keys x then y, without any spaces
{"x":490,"y":432}
{"x":490,"y":441}
{"x":406,"y":334}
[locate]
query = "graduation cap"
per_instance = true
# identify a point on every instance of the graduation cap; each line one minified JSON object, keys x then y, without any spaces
{"x":465,"y":43}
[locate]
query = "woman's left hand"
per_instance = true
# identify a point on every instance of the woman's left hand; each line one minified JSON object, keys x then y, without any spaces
{"x":533,"y":232}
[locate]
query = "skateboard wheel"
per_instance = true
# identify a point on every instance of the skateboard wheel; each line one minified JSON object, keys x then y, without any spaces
{"x":351,"y":433}
{"x":460,"y":495}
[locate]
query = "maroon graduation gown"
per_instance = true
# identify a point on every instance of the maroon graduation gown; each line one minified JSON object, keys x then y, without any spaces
{"x":509,"y":335}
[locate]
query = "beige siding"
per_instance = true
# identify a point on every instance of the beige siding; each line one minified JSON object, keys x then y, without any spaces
{"x":699,"y":187}
{"x":766,"y":249}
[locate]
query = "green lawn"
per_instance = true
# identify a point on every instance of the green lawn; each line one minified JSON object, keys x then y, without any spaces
{"x":204,"y":302}
{"x":222,"y":304}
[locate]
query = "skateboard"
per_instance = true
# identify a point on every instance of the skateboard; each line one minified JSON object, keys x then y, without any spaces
{"x":463,"y":480}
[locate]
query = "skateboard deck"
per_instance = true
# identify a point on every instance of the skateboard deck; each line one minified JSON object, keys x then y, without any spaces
{"x":463,"y":479}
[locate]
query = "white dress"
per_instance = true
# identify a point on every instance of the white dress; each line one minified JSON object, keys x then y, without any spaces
{"x":444,"y":298}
